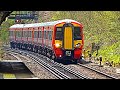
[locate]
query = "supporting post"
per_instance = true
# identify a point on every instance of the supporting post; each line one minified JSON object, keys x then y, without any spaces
{"x":100,"y":61}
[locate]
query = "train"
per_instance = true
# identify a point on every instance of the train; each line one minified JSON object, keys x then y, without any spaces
{"x":58,"y":40}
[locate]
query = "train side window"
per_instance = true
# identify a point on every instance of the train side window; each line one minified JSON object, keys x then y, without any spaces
{"x":50,"y":35}
{"x":58,"y":33}
{"x":13,"y":33}
{"x":24,"y":33}
{"x":36,"y":34}
{"x":10,"y":33}
{"x":44,"y":34}
{"x":16,"y":33}
{"x":19,"y":33}
{"x":30,"y":34}
{"x":39,"y":34}
{"x":77,"y":33}
{"x":27,"y":33}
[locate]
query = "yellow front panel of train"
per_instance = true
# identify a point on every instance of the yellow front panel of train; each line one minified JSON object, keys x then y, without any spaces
{"x":68,"y":38}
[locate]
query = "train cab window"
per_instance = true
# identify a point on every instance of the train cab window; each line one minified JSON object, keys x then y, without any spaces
{"x":77,"y":34}
{"x":58,"y":33}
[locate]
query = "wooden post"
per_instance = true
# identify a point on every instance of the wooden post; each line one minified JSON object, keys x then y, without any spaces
{"x":90,"y":57}
{"x":84,"y":54}
{"x":100,"y":60}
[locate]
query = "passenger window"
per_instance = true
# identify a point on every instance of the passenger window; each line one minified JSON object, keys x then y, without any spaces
{"x":46,"y":34}
{"x":35,"y":34}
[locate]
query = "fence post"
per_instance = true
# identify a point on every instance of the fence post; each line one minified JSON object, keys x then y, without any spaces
{"x":84,"y":53}
{"x":90,"y":57}
{"x":100,"y":58}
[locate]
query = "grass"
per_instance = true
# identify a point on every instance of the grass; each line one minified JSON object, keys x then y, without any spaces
{"x":110,"y":53}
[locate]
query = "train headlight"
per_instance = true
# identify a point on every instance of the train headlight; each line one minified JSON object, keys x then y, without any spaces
{"x":77,"y":45}
{"x":57,"y":45}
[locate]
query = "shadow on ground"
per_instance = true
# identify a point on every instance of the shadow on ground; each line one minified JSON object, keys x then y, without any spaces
{"x":67,"y":62}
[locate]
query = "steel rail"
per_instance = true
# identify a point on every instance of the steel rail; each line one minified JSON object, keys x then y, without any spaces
{"x":102,"y":73}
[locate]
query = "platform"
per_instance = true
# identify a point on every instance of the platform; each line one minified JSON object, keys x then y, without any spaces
{"x":13,"y":69}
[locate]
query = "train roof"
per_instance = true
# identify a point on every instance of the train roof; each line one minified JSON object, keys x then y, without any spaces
{"x":42,"y":24}
{"x":17,"y":26}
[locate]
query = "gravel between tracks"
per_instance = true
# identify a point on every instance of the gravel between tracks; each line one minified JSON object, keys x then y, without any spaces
{"x":106,"y":69}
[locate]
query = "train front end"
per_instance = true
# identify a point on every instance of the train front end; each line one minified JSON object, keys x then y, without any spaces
{"x":68,"y":41}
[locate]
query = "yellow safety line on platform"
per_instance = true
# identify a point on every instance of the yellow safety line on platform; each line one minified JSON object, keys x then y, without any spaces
{"x":9,"y":76}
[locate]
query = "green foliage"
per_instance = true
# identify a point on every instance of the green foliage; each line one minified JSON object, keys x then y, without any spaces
{"x":112,"y":53}
{"x":4,"y":32}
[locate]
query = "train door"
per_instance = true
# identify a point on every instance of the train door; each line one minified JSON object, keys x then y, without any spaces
{"x":68,"y":38}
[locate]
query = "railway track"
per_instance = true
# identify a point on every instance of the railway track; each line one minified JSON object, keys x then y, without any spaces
{"x":97,"y":71}
{"x":59,"y":70}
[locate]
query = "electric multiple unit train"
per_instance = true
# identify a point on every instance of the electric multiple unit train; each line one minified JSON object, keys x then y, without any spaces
{"x":62,"y":39}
